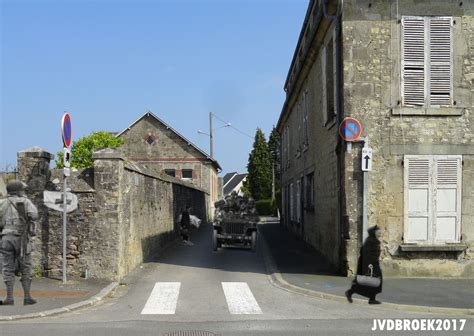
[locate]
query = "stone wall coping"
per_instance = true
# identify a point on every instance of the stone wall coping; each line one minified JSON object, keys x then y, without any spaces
{"x":108,"y":153}
{"x":35,"y":152}
{"x":454,"y":247}
{"x":138,"y":168}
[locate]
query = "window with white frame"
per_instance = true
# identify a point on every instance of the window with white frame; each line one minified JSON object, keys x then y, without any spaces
{"x":187,"y":174}
{"x":432,"y":195}
{"x":427,"y":61}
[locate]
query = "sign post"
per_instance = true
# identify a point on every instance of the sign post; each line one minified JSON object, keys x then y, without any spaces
{"x":350,"y":130}
{"x":66,"y":130}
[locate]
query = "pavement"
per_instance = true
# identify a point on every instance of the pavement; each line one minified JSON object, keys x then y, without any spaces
{"x":54,"y":297}
{"x":295,"y":266}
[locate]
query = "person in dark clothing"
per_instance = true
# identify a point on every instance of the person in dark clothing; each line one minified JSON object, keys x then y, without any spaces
{"x":185,"y":225}
{"x":369,"y":255}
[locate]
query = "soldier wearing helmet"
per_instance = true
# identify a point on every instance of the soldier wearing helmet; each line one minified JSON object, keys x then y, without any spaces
{"x":18,"y":217}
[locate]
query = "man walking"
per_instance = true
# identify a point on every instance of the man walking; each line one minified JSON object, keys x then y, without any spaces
{"x":185,"y":224}
{"x":17,"y":227}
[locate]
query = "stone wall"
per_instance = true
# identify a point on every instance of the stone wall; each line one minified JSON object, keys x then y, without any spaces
{"x":126,"y":214}
{"x":372,"y":95}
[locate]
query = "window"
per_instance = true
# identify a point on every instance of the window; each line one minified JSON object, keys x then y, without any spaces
{"x":288,"y":153}
{"x":298,"y":201}
{"x":292,"y":206}
{"x":328,"y":81}
{"x":310,"y":191}
{"x":305,"y":118}
{"x":432,"y":198}
{"x":427,"y":58}
{"x":170,"y":172}
{"x":187,"y":174}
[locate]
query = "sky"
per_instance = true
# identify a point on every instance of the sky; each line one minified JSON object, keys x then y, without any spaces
{"x":107,"y":62}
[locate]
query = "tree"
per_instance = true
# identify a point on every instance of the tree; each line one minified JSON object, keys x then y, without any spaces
{"x":274,"y":147}
{"x":259,"y":179}
{"x":82,"y":149}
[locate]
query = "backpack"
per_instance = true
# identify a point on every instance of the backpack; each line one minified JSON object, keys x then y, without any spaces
{"x":3,"y":210}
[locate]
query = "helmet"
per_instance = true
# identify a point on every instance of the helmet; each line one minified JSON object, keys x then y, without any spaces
{"x":16,"y":186}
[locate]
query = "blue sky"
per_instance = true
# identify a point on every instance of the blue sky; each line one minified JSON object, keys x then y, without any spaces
{"x":108,"y":61}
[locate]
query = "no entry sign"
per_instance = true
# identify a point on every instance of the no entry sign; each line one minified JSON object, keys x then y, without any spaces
{"x":350,"y":129}
{"x":66,"y":129}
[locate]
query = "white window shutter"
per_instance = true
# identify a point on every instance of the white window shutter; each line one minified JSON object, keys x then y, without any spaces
{"x":417,"y":199}
{"x":448,"y":198}
{"x":441,"y":60}
{"x":413,"y":61}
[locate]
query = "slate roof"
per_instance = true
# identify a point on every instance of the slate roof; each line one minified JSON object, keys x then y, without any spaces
{"x":232,"y":183}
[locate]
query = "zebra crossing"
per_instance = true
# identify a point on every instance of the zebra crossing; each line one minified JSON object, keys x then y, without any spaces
{"x":164,"y":296}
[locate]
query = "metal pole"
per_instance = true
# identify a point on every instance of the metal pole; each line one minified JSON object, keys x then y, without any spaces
{"x":64,"y":230}
{"x":210,"y":136}
{"x":365,"y":202}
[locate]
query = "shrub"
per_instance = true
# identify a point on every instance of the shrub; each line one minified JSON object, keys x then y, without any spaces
{"x":264,"y":207}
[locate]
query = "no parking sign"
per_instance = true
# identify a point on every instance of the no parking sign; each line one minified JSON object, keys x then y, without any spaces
{"x":66,"y":130}
{"x":350,"y":129}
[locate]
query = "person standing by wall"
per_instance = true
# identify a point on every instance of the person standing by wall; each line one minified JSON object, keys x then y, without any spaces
{"x":368,"y":264}
{"x":17,"y":227}
{"x":185,"y":226}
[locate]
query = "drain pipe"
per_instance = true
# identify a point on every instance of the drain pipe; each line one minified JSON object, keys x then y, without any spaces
{"x":339,"y":115}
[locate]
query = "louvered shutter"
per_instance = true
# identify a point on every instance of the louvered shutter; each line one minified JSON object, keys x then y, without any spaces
{"x":417,"y":199}
{"x":447,"y":198}
{"x":413,"y":61}
{"x":440,"y":61}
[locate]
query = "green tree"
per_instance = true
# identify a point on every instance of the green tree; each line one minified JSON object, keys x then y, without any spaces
{"x":274,"y":147}
{"x":259,"y":167}
{"x":82,"y":149}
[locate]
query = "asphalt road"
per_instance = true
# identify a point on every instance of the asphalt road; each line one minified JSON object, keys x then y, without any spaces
{"x":191,"y":288}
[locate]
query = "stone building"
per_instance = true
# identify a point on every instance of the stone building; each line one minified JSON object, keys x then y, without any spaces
{"x":405,"y":70}
{"x":152,"y":142}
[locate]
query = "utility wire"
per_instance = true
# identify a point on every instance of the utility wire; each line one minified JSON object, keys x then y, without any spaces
{"x":232,"y":126}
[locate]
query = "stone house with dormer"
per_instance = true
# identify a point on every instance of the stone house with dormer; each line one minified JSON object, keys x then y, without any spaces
{"x":405,"y":70}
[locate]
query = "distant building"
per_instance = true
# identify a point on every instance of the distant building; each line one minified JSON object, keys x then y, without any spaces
{"x":234,"y":182}
{"x":405,"y":70}
{"x":151,"y":141}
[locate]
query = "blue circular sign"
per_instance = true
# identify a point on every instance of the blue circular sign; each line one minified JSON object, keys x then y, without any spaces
{"x":66,"y":128}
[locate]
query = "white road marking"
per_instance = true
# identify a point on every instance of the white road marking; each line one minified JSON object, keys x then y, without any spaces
{"x":163,"y":299}
{"x":240,"y":298}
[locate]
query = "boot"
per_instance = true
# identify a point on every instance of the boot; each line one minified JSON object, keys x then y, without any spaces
{"x":9,"y":300}
{"x":28,"y":300}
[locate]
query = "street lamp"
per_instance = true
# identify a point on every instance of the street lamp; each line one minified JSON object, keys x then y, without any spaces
{"x":210,"y":134}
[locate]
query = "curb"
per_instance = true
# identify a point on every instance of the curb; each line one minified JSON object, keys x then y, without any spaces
{"x":89,"y":302}
{"x":276,"y":279}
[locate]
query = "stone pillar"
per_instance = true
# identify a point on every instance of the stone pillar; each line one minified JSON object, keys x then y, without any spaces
{"x":105,"y":262}
{"x":33,"y":169}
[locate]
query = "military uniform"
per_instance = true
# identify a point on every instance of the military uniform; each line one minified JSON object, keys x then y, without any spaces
{"x":17,"y":226}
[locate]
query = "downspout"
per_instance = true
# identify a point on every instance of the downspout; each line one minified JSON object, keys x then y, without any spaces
{"x":339,"y":114}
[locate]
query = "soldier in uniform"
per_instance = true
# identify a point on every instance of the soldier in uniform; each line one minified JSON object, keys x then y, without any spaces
{"x":17,"y":227}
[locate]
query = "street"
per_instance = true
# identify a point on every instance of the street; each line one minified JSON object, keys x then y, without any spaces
{"x":191,"y":288}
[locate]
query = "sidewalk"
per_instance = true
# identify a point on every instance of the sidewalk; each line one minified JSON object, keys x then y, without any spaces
{"x":54,"y":297}
{"x":300,"y":267}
